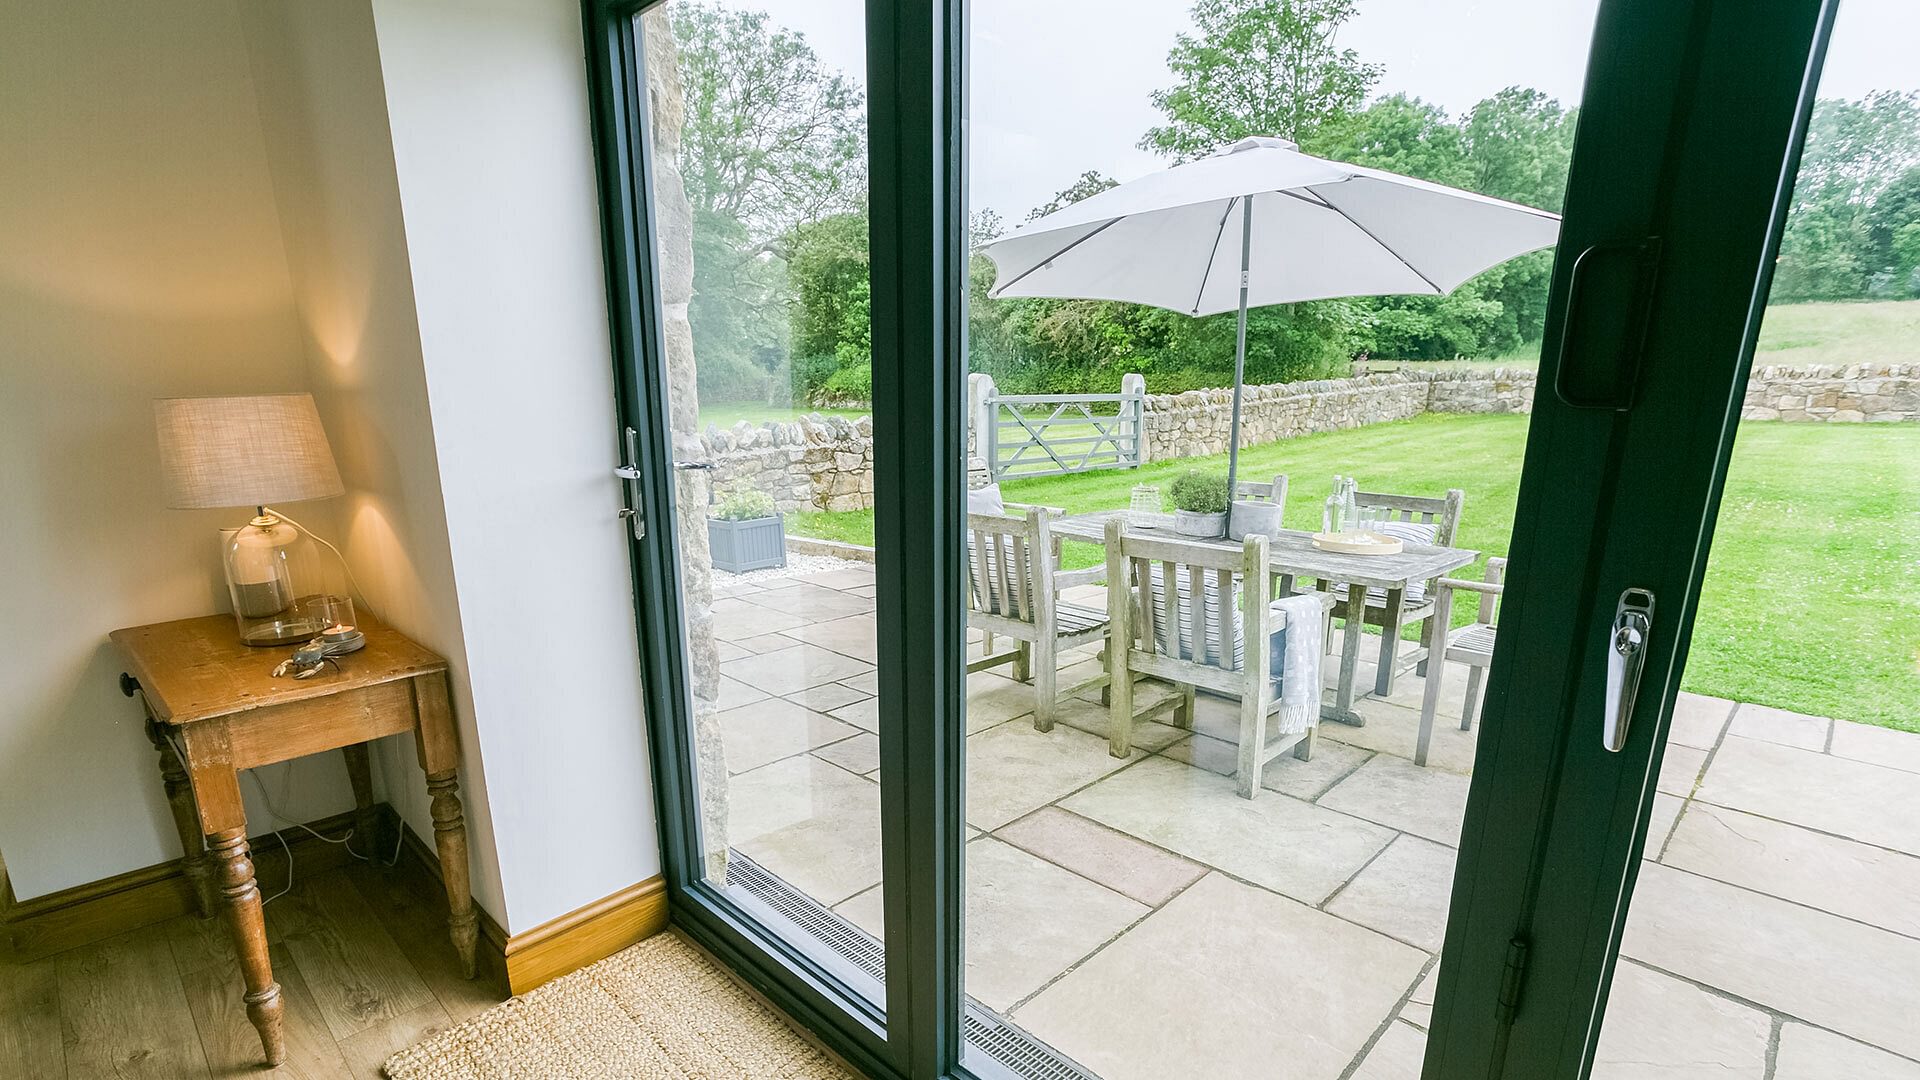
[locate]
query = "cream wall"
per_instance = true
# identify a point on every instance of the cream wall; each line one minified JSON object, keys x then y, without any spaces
{"x":391,"y":204}
{"x":324,"y":114}
{"x":487,"y":104}
{"x":140,"y":257}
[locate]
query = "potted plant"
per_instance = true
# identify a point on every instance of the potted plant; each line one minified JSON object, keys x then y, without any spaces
{"x":1199,"y":503}
{"x":745,"y":531}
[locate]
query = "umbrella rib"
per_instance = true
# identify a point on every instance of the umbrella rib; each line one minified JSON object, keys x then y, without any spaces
{"x":1213,"y":253}
{"x":1109,"y":223}
{"x":1388,"y":248}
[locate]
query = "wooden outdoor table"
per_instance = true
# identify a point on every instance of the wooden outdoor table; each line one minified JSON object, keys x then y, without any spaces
{"x":1292,"y":556}
{"x":214,"y":709}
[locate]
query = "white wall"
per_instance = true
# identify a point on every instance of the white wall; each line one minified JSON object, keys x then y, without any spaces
{"x":323,"y":111}
{"x":140,"y":257}
{"x":488,"y":109}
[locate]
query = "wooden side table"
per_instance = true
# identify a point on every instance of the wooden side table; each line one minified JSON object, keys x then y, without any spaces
{"x":213,"y":709}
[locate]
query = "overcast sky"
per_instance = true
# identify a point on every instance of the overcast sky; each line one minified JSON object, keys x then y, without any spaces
{"x":1061,"y":86}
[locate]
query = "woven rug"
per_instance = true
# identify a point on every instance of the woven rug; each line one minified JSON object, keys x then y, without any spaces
{"x":657,"y":1009}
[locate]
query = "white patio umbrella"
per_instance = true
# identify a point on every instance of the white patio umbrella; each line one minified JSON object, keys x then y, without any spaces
{"x":1302,"y":228}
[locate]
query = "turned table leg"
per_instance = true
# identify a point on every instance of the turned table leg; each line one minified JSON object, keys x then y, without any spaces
{"x":233,"y":863}
{"x":439,"y":750}
{"x":186,"y":820}
{"x":366,"y":821}
{"x":450,"y":839}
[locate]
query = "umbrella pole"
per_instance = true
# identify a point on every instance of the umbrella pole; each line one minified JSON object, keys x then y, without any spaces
{"x":1239,"y":358}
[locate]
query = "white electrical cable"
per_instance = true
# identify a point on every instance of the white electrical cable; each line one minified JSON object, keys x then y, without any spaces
{"x":359,"y":594}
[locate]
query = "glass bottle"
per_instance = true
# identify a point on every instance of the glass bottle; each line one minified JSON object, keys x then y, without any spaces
{"x":1333,"y":516}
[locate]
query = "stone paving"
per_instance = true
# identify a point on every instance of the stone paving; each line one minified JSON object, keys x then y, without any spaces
{"x":1144,"y":920}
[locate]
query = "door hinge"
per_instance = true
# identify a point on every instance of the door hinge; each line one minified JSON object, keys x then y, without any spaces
{"x":1512,"y":979}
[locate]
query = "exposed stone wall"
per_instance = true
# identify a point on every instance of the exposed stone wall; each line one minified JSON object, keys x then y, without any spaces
{"x":1858,"y":393}
{"x":1199,"y":421}
{"x":826,"y":463}
{"x":812,"y":463}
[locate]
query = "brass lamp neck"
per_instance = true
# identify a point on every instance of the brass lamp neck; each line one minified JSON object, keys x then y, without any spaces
{"x":263,"y":519}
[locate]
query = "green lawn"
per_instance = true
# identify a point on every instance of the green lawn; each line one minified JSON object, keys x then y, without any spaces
{"x":1791,"y":335}
{"x":728,"y":413}
{"x":1812,"y":597}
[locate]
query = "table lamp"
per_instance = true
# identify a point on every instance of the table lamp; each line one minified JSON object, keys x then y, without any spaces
{"x":255,"y":451}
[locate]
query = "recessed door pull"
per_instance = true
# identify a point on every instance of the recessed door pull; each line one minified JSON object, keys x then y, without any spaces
{"x":1626,"y":653}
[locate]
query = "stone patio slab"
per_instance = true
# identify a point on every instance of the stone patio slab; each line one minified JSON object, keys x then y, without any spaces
{"x":1027,"y":921}
{"x":866,"y":684}
{"x":1660,"y":1028}
{"x":1397,"y":1056}
{"x":1680,"y":769}
{"x":859,"y":754}
{"x":815,"y":603}
{"x":1120,"y":862}
{"x":766,"y":731}
{"x":734,"y":619}
{"x":1880,"y":746}
{"x":1395,"y":729}
{"x":826,"y":697}
{"x":734,"y":693}
{"x":849,"y":578}
{"x":852,"y":636}
{"x":1403,"y":894}
{"x":1698,"y":721}
{"x":1835,"y":795}
{"x":727,"y":650}
{"x":993,"y":698}
{"x":1013,"y":770}
{"x":794,"y":668}
{"x":1017,"y":937}
{"x":1808,"y":1053}
{"x":1418,"y":1010}
{"x":1331,"y":763}
{"x":1769,"y":724}
{"x":1401,"y":795}
{"x":815,"y":825}
{"x":1155,"y":1004}
{"x":1284,"y":844}
{"x":1666,"y":811}
{"x":760,"y":643}
{"x":1843,"y":975}
{"x":1845,"y":877}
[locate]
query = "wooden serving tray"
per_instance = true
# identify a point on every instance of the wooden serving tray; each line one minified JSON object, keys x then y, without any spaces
{"x":1358,"y":543}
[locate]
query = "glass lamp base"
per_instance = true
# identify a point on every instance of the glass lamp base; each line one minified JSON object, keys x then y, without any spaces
{"x":288,"y":628}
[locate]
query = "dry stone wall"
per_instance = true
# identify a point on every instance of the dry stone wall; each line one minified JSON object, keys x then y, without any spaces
{"x":826,"y":463}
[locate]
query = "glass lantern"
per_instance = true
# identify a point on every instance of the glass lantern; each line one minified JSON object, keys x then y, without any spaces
{"x":274,"y":578}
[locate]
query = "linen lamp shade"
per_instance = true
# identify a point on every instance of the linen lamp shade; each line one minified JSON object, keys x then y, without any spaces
{"x":243,"y":451}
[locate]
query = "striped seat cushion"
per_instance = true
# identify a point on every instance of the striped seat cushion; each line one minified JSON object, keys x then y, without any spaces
{"x":1183,"y":648}
{"x":1410,"y":532}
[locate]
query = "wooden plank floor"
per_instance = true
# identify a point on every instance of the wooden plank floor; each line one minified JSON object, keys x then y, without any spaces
{"x":360,"y":953}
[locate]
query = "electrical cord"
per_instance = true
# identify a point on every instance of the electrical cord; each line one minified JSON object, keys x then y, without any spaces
{"x":359,"y":594}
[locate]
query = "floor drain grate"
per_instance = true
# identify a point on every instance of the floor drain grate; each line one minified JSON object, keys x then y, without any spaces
{"x":1005,"y":1044}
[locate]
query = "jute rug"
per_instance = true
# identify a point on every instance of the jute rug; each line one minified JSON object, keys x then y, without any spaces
{"x":657,"y":1009}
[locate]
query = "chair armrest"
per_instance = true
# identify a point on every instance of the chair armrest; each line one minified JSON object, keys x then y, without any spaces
{"x":1067,"y":579}
{"x":1492,"y":588}
{"x":1022,"y":508}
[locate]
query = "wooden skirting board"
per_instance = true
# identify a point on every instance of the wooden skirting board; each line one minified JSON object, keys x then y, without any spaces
{"x":83,"y":914}
{"x":586,"y":935}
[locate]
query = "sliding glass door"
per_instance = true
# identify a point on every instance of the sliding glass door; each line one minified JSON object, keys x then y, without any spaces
{"x":963,"y":779}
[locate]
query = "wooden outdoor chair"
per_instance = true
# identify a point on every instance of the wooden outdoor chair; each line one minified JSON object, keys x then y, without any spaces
{"x":1471,"y":644}
{"x":1417,"y":520}
{"x":1184,"y":612}
{"x":1275,"y":492}
{"x":1013,"y":590}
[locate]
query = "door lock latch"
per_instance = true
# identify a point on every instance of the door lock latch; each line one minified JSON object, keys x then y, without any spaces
{"x":1626,"y":654}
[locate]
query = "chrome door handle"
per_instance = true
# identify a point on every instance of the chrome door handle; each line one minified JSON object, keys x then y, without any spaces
{"x":629,"y":472}
{"x":1626,"y":654}
{"x":687,"y":465}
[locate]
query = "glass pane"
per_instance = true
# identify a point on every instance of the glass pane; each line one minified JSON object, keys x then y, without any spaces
{"x":759,"y":130}
{"x":1775,"y":929}
{"x":1160,"y":908}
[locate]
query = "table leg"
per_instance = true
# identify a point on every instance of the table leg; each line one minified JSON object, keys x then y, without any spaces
{"x":1389,"y":642}
{"x":1350,"y":658}
{"x":366,"y":821}
{"x":233,"y":862}
{"x":450,"y":839}
{"x":186,"y":821}
{"x":439,"y":751}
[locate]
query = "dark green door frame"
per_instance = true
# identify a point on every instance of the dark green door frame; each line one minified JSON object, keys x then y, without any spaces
{"x":1664,"y":150}
{"x":1689,"y":137}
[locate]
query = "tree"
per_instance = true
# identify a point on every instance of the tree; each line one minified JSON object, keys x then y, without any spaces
{"x":1518,"y":146}
{"x":1399,"y":134}
{"x":1858,"y":187}
{"x":1091,"y":183}
{"x":773,"y":138}
{"x":1258,"y":67}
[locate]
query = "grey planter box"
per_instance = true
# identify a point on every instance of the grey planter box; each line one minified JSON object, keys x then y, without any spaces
{"x":739,"y":546}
